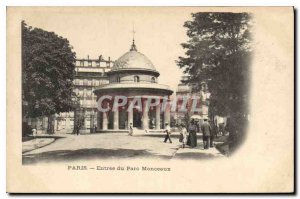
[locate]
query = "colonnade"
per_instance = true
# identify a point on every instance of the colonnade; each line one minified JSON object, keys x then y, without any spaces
{"x":144,"y":119}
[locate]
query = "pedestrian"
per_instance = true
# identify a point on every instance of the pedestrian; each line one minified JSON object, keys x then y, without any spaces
{"x":130,"y":129}
{"x":198,"y":126}
{"x":232,"y":138}
{"x":206,"y":129}
{"x":217,"y":130}
{"x":183,"y":134}
{"x":95,"y":128}
{"x":34,"y":132}
{"x":213,"y":133}
{"x":192,"y":134}
{"x":222,"y":129}
{"x":168,"y":133}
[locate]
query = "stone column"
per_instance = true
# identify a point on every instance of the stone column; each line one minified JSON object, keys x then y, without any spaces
{"x":167,"y":114}
{"x":157,"y":117}
{"x":116,"y":119}
{"x":104,"y":121}
{"x":96,"y":119}
{"x":92,"y":122}
{"x":130,"y":113}
{"x":145,"y":115}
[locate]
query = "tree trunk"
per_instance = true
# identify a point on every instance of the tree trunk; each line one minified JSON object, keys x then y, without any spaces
{"x":50,"y":129}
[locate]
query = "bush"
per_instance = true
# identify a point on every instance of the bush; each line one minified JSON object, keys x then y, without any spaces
{"x":26,"y":129}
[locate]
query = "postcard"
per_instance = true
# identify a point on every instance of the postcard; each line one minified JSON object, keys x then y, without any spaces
{"x":150,"y":100}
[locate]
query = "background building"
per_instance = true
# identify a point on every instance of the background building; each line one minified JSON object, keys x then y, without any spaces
{"x":201,"y":97}
{"x":89,"y":74}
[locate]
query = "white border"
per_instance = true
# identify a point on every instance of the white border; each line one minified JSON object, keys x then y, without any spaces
{"x":5,"y":3}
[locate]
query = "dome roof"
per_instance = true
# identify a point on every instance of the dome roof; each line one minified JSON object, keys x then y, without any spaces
{"x":133,"y":60}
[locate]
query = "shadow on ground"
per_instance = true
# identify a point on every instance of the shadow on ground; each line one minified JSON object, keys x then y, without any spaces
{"x":176,"y":136}
{"x":195,"y":156}
{"x":88,"y":154}
{"x":162,"y":136}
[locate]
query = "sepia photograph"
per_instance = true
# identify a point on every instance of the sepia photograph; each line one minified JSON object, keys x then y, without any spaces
{"x":77,"y":105}
{"x":121,"y":90}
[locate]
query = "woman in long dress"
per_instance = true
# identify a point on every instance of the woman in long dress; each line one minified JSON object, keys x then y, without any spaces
{"x":193,"y":134}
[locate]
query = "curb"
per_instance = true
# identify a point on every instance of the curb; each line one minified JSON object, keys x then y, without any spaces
{"x":54,"y":139}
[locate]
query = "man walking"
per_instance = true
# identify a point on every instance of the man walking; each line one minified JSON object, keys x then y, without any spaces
{"x":168,"y":133}
{"x":206,"y":130}
{"x":213,"y":133}
{"x":232,"y":138}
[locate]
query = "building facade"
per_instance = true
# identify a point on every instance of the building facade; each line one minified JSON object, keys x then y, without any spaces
{"x":89,"y":74}
{"x":186,"y":97}
{"x":202,"y":97}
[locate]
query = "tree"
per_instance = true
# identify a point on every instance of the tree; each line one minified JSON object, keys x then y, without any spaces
{"x":218,"y":54}
{"x":48,"y":67}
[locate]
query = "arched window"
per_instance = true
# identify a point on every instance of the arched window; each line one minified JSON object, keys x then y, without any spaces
{"x":118,"y":79}
{"x":153,"y":80}
{"x":136,"y":79}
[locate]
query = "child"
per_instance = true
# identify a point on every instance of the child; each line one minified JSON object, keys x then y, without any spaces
{"x":183,"y":133}
{"x":130,"y":129}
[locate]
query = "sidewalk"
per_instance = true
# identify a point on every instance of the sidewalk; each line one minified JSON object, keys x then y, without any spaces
{"x":36,"y":143}
{"x":198,"y":153}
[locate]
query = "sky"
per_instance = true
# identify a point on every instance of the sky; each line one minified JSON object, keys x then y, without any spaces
{"x":107,"y":31}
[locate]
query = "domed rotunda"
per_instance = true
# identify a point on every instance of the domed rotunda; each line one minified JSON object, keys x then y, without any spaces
{"x":133,"y":75}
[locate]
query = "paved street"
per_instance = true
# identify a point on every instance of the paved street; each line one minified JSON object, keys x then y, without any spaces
{"x":114,"y":145}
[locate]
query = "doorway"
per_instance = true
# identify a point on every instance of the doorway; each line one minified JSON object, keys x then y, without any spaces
{"x":123,"y":119}
{"x":137,"y":119}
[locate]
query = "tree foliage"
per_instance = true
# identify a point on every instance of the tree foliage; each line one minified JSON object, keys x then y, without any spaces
{"x":218,"y":54}
{"x":48,"y":67}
